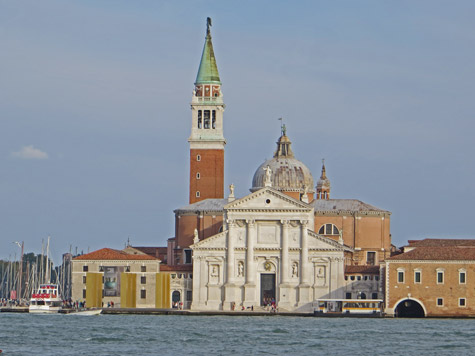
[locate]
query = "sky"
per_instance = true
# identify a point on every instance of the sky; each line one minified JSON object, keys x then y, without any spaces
{"x":95,"y":110}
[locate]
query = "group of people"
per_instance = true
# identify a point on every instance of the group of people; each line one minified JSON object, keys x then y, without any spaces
{"x":271,"y":305}
{"x":5,"y":302}
{"x":177,"y":305}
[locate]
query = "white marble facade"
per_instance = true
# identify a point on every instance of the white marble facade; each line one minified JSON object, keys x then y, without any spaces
{"x":267,"y":251}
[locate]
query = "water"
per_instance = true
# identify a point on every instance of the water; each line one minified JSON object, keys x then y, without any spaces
{"x":25,"y":334}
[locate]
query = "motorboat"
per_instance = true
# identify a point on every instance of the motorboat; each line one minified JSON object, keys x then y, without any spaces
{"x":46,"y":299}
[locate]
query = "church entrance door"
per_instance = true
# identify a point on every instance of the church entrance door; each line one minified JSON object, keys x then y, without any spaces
{"x":267,"y":288}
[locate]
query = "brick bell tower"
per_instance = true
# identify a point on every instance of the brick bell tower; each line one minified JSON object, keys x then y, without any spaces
{"x":206,"y":140}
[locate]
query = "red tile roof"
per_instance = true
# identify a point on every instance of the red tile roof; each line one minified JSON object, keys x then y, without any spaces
{"x":176,"y":268}
{"x":441,"y":242}
{"x":451,"y":253}
{"x":362,"y":269}
{"x":111,"y":254}
{"x":152,"y":251}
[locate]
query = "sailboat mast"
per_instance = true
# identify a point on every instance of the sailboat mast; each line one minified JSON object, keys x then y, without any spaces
{"x":42,"y":276}
{"x":47,"y":276}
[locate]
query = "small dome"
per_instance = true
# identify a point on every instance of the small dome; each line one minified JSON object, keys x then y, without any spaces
{"x":287,"y":173}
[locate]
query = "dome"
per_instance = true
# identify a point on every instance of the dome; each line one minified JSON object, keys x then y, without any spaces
{"x":287,"y":173}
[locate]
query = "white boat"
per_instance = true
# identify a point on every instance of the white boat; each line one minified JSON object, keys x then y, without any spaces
{"x":94,"y":311}
{"x":46,"y":300}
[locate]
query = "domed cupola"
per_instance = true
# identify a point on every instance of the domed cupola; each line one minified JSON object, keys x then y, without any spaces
{"x":323,"y":185}
{"x":287,"y":174}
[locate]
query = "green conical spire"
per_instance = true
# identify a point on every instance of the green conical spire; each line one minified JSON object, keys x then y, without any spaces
{"x":208,"y":71}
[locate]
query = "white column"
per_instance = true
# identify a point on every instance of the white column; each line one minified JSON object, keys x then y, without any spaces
{"x":250,"y":295}
{"x":250,"y":272}
{"x":304,"y":253}
{"x":230,"y":252}
{"x":196,"y":281}
{"x":229,"y":287}
{"x":305,"y":295}
{"x":285,"y":252}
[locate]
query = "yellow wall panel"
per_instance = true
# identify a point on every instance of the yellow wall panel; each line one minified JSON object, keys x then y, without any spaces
{"x":93,"y":290}
{"x":128,"y":290}
{"x":162,"y":292}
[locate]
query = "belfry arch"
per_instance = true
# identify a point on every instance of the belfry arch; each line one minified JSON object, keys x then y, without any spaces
{"x":409,"y":308}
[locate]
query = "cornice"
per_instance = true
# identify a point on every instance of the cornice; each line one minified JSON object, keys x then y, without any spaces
{"x":211,"y":238}
{"x":432,"y":261}
{"x":234,"y":205}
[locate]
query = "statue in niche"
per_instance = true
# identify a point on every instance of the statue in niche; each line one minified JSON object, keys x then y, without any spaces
{"x":320,"y":276}
{"x":321,"y":272}
{"x":196,"y":239}
{"x":295,"y":270}
{"x":240,"y":269}
{"x":214,"y":271}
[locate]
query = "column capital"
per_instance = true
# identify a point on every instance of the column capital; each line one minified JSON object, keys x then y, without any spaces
{"x":231,"y":222}
{"x":304,"y":223}
{"x":250,"y":222}
{"x":285,"y":223}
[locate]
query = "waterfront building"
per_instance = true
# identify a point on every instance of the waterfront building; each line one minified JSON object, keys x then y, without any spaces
{"x":363,"y":282}
{"x":432,"y":277}
{"x":127,"y":280}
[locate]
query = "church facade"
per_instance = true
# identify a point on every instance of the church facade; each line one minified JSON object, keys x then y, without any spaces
{"x":267,"y":254}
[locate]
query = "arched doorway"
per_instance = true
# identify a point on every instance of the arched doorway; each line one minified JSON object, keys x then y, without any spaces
{"x":409,"y":308}
{"x":176,"y":297}
{"x":267,"y":288}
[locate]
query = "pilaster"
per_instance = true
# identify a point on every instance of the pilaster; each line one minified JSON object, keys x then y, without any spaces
{"x":304,"y":286}
{"x":230,"y":287}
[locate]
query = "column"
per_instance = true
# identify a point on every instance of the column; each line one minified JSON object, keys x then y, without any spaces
{"x":285,"y":252}
{"x":304,"y":253}
{"x":250,"y":272}
{"x":304,"y":287}
{"x":196,"y":282}
{"x":250,"y":296}
{"x":229,"y":287}
{"x":230,"y":252}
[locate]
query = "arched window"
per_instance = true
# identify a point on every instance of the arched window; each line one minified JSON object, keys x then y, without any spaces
{"x":198,"y":158}
{"x":200,"y":124}
{"x":328,"y":229}
{"x":198,"y":176}
{"x":198,"y":194}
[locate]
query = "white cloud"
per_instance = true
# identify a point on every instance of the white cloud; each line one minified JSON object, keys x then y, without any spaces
{"x":30,"y":152}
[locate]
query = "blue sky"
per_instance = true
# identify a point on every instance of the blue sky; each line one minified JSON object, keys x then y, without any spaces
{"x":94,"y":110}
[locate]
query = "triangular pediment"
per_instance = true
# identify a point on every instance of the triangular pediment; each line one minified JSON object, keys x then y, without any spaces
{"x":215,"y":241}
{"x":268,"y":199}
{"x":321,"y":242}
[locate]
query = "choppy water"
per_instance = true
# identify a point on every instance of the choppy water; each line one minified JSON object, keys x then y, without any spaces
{"x":24,"y":334}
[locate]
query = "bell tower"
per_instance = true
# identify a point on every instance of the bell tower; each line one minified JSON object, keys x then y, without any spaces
{"x":206,"y":140}
{"x":323,"y":184}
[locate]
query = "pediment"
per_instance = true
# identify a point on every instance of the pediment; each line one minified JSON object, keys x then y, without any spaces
{"x":268,"y":199}
{"x":215,"y":241}
{"x":321,"y":242}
